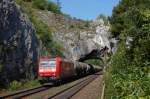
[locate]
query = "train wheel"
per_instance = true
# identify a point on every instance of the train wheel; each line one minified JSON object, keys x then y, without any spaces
{"x":58,"y":83}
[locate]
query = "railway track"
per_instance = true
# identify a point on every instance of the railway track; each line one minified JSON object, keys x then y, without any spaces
{"x":64,"y":94}
{"x":24,"y":93}
{"x":69,"y":92}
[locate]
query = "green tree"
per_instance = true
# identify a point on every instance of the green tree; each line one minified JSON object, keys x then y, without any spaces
{"x":128,"y":74}
{"x":40,"y":4}
{"x":53,"y":7}
{"x":105,"y":18}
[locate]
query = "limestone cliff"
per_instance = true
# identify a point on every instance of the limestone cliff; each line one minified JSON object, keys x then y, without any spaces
{"x":18,"y":44}
{"x":83,"y":45}
{"x":90,"y":40}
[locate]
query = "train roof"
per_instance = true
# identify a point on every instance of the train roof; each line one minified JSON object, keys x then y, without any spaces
{"x":48,"y":58}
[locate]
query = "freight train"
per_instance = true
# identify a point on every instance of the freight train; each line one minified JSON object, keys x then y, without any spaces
{"x":57,"y":69}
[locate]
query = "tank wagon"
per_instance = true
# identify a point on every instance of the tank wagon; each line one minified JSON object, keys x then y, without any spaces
{"x":57,"y":69}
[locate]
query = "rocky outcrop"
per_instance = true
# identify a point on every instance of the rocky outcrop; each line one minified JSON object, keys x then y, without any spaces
{"x":18,"y":44}
{"x":61,"y":23}
{"x":86,"y":44}
{"x":81,"y":39}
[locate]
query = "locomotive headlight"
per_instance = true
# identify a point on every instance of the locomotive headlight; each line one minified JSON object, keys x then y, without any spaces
{"x":41,"y":70}
{"x":53,"y":69}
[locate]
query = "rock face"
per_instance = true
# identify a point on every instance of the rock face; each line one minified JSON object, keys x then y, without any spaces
{"x":80,"y":40}
{"x":18,"y":44}
{"x":86,"y":44}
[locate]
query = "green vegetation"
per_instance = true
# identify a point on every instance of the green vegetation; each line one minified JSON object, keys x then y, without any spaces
{"x":57,"y":49}
{"x":128,"y":73}
{"x":43,"y":31}
{"x":30,"y":84}
{"x":53,"y":7}
{"x":16,"y":85}
{"x":40,"y":4}
{"x":105,"y":18}
{"x":97,"y":62}
{"x":47,"y":5}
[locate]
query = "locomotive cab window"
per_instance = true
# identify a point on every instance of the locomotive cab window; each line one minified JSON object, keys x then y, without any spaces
{"x":48,"y":63}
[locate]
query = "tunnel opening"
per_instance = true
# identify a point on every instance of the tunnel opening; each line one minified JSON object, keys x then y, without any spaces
{"x":95,"y":54}
{"x":95,"y":57}
{"x":96,"y":62}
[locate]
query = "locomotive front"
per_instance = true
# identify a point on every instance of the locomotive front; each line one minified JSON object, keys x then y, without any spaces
{"x":48,"y":70}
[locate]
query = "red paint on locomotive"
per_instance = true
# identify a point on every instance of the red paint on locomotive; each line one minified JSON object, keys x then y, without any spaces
{"x":49,"y":67}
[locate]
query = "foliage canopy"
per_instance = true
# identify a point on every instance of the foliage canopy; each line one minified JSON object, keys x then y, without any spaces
{"x":127,"y":76}
{"x":46,"y":5}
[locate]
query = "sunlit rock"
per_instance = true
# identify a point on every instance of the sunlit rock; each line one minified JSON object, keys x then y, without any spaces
{"x":86,"y":44}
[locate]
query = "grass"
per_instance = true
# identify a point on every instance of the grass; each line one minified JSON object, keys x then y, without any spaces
{"x":17,"y":85}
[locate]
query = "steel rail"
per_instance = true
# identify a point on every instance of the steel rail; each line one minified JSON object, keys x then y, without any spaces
{"x":23,"y":93}
{"x":69,"y":92}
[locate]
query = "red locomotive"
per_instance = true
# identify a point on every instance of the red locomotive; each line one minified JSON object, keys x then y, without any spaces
{"x":58,"y":69}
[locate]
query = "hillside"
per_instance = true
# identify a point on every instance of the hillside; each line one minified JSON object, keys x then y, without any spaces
{"x":71,"y":33}
{"x":30,"y":30}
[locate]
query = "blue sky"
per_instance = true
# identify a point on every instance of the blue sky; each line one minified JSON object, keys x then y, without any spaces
{"x":88,"y":9}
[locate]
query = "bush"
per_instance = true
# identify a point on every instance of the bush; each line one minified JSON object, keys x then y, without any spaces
{"x":53,"y":7}
{"x":15,"y":85}
{"x":57,"y":49}
{"x":31,"y":83}
{"x":40,"y":4}
{"x":19,"y":2}
{"x":42,"y":30}
{"x":47,"y":5}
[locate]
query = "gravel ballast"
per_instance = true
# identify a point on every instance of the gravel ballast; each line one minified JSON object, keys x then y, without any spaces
{"x":91,"y":91}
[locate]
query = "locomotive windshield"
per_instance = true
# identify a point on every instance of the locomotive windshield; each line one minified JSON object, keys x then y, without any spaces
{"x":48,"y":63}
